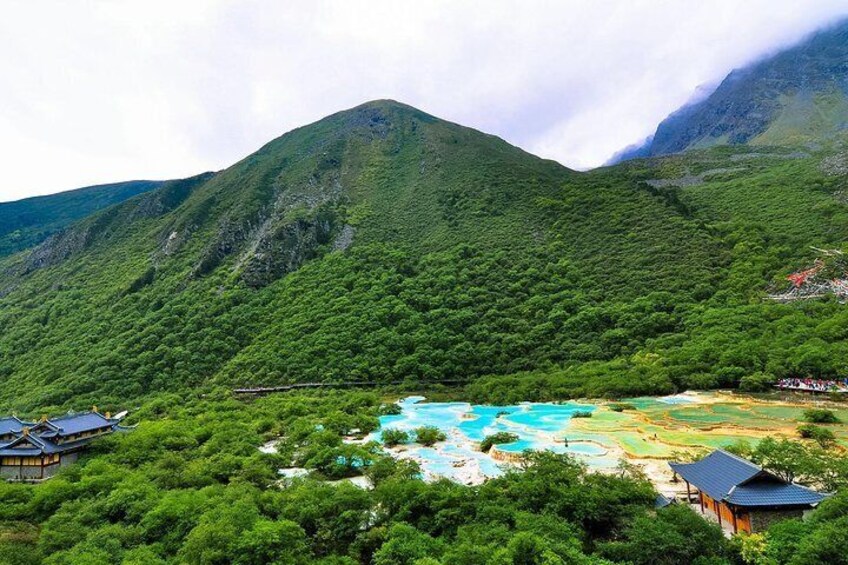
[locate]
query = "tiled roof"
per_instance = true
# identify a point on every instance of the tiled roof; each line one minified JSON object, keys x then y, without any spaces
{"x":717,"y":473}
{"x":11,"y":424}
{"x":773,"y":493}
{"x":724,"y":476}
{"x":12,"y":448}
{"x":77,"y":423}
{"x":42,"y":446}
{"x":42,"y":435}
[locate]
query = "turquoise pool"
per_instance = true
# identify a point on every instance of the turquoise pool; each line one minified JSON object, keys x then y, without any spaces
{"x":538,"y":426}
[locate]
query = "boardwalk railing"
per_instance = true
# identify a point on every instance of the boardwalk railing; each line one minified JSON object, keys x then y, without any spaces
{"x":260,"y":390}
{"x":805,"y":388}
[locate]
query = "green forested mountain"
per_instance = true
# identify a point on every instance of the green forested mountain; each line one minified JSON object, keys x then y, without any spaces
{"x":377,"y":243}
{"x":28,"y":222}
{"x":383,"y":243}
{"x":797,"y":96}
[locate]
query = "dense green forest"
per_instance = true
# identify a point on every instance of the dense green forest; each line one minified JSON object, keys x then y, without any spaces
{"x":190,"y":486}
{"x":384,"y":244}
{"x":28,"y":222}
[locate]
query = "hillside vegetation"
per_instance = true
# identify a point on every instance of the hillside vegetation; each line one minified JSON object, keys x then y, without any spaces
{"x":378,"y":243}
{"x":384,"y":244}
{"x":28,"y":222}
{"x":189,"y":486}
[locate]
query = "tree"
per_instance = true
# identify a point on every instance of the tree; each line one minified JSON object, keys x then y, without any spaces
{"x":346,"y":460}
{"x":785,"y":458}
{"x":497,"y":439}
{"x":405,"y":545}
{"x":429,"y":435}
{"x":528,"y":549}
{"x":282,"y":542}
{"x":385,"y":468}
{"x":826,"y":544}
{"x":823,"y":436}
{"x":757,"y":382}
{"x":393,"y":436}
{"x":675,"y":535}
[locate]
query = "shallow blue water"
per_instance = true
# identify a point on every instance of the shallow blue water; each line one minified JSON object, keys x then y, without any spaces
{"x":538,"y":426}
{"x":643,"y":402}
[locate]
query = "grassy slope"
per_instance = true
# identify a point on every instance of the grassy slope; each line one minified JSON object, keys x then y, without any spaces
{"x":469,"y":257}
{"x":28,"y":222}
{"x":806,"y":117}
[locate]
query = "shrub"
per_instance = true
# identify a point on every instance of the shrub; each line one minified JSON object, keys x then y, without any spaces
{"x":757,"y":382}
{"x":392,"y":409}
{"x":836,"y":397}
{"x":820,"y":416}
{"x":620,"y":406}
{"x":582,"y":414}
{"x":393,"y":436}
{"x":822,"y":436}
{"x":496,"y":439}
{"x":429,"y":435}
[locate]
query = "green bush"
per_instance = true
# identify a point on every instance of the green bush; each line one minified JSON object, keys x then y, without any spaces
{"x":497,"y":439}
{"x":757,"y":382}
{"x":820,"y":416}
{"x":429,"y":435}
{"x":582,"y":414}
{"x":390,"y":409}
{"x":393,"y":436}
{"x":620,"y":406}
{"x":823,"y":436}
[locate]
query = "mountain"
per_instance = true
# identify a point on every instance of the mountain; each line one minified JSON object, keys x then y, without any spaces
{"x":384,"y":244}
{"x":27,"y":222}
{"x":379,"y":243}
{"x":797,"y":96}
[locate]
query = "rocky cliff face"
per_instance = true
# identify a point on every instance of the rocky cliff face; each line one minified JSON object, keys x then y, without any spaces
{"x":796,"y":96}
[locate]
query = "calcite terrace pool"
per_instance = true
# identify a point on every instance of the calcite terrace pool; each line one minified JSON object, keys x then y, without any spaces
{"x":538,"y":426}
{"x":648,"y":434}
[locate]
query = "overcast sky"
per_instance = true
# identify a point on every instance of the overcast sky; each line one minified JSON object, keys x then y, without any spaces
{"x":95,"y":92}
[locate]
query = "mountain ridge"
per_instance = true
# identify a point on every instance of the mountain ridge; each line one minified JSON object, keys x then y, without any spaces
{"x":342,"y":244}
{"x":796,"y":96}
{"x":383,"y":244}
{"x":29,"y":221}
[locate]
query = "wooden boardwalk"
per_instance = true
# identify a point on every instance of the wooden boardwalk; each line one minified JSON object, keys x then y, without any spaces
{"x":263,"y":390}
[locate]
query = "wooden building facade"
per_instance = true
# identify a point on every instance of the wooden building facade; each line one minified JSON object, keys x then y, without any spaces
{"x":741,"y":495}
{"x":33,"y":451}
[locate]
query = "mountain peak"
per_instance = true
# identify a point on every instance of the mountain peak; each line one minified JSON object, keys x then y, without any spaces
{"x":795,"y":96}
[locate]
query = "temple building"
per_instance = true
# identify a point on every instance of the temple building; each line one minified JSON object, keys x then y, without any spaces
{"x":742,"y":496}
{"x":33,"y":451}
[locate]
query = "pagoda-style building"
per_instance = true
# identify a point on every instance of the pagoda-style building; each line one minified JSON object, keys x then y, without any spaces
{"x":33,"y":451}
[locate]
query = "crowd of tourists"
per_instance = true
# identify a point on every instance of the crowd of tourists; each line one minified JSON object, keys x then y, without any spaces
{"x":814,"y":385}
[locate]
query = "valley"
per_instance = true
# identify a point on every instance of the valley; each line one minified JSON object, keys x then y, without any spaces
{"x":384,"y":338}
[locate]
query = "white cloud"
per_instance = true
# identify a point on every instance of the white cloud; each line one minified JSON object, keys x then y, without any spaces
{"x":99,"y":91}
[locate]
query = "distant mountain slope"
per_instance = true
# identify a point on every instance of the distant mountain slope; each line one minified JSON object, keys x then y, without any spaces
{"x":28,"y":222}
{"x":379,"y":243}
{"x":797,"y":96}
